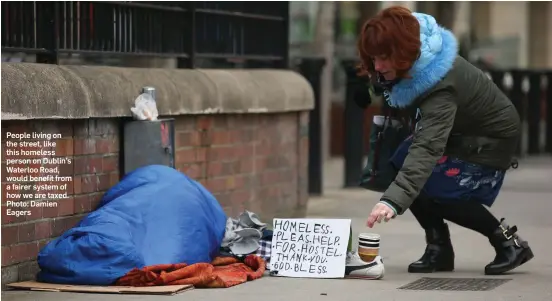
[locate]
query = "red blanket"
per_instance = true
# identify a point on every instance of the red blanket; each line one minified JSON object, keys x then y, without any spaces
{"x":222,"y":272}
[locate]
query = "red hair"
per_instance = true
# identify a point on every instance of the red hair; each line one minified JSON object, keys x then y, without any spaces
{"x":395,"y":33}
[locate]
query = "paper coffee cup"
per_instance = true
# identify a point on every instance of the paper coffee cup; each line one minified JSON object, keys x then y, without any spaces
{"x":368,"y":246}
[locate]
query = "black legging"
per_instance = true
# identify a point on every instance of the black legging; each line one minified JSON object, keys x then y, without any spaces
{"x":468,"y":214}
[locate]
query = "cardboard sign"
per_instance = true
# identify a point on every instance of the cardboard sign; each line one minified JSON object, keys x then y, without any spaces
{"x":310,"y":248}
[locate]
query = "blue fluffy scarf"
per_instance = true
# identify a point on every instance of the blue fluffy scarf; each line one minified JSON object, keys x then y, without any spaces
{"x":438,"y":53}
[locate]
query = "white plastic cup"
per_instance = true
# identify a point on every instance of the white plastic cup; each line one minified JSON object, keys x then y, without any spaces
{"x":379,"y":120}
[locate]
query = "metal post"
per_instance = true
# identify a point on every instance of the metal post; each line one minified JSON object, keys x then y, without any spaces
{"x":516,"y":96}
{"x":549,"y":112}
{"x":190,"y":30}
{"x":353,"y":150}
{"x":49,"y":21}
{"x":311,"y":69}
{"x":534,"y":98}
{"x":284,"y":64}
{"x":498,"y":78}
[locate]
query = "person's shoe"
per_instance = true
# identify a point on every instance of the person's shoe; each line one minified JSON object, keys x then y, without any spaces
{"x":511,"y":250}
{"x":356,"y":268}
{"x":438,"y":255}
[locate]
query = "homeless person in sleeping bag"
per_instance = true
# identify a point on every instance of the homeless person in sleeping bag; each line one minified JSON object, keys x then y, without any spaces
{"x":465,"y":138}
{"x":155,"y":215}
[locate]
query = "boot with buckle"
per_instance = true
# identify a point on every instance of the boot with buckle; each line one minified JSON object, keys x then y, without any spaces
{"x":438,"y":255}
{"x":511,"y":250}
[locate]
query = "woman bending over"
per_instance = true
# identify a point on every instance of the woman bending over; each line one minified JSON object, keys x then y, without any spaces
{"x":466,"y":135}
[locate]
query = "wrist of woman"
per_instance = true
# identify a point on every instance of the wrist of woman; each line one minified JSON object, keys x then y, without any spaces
{"x":390,"y":205}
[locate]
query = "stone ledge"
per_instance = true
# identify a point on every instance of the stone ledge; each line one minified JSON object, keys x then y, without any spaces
{"x":43,"y":91}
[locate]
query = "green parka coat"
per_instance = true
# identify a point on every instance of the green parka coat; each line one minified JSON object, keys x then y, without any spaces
{"x":463,"y":114}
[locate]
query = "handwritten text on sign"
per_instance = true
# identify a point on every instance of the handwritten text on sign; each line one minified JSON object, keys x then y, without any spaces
{"x":314,"y":248}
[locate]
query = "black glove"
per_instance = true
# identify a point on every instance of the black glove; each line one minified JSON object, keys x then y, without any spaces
{"x":362,"y":96}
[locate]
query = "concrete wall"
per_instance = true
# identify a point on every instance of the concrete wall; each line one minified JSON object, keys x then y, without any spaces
{"x":510,"y":19}
{"x":242,"y":134}
{"x":540,"y":29}
{"x":549,"y":34}
{"x":528,"y":22}
{"x":409,"y":4}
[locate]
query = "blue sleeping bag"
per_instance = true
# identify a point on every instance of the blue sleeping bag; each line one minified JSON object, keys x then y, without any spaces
{"x":155,"y":215}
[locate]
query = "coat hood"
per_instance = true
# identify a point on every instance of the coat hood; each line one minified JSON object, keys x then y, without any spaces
{"x":438,"y":52}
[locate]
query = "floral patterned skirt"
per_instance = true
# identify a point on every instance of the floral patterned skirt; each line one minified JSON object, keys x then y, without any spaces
{"x":454,"y":180}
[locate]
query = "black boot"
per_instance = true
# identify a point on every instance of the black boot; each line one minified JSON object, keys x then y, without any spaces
{"x":439,"y":254}
{"x":511,"y":250}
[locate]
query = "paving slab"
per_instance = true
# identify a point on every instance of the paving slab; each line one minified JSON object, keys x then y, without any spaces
{"x":525,"y":201}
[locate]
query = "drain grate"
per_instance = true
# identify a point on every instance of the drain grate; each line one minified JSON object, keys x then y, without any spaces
{"x":455,"y":284}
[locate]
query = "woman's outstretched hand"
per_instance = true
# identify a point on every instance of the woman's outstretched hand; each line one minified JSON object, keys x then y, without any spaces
{"x":381,"y":212}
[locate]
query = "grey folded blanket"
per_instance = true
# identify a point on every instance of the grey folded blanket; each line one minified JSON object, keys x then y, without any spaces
{"x":243,"y":234}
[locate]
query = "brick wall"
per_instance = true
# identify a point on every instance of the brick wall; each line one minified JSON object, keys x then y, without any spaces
{"x":256,"y":162}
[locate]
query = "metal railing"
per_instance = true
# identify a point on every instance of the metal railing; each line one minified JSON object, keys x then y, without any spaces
{"x":248,"y":34}
{"x":531,"y":93}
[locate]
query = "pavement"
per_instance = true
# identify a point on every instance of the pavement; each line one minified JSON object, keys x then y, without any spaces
{"x":525,"y":201}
